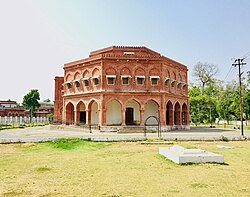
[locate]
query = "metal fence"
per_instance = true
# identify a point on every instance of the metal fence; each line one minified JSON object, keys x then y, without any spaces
{"x":5,"y":120}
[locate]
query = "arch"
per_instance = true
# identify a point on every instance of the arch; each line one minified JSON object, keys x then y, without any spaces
{"x":68,"y":77}
{"x":179,"y":77}
{"x":139,"y":71}
{"x":177,"y":111}
{"x":81,"y":113}
{"x":125,"y":71}
{"x":85,"y":74}
{"x":132,"y":113}
{"x":77,"y":75}
{"x":114,"y":113}
{"x":110,"y":71}
{"x":70,"y":113}
{"x":169,"y":113}
{"x":151,"y":109}
{"x":94,"y":112}
{"x":173,"y":75}
{"x":96,"y":72}
{"x":154,"y":72}
{"x":184,"y":114}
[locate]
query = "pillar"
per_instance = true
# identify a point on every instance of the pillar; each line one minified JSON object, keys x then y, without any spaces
{"x":123,"y":116}
{"x":142,"y":117}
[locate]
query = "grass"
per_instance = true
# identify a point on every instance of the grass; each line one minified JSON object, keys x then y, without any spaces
{"x":246,"y":127}
{"x":21,"y":125}
{"x":83,"y":168}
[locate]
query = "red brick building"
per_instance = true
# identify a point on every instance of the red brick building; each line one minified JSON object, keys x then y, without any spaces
{"x":11,"y":108}
{"x":119,"y":86}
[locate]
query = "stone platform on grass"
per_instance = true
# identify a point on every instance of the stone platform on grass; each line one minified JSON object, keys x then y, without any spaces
{"x":181,"y":155}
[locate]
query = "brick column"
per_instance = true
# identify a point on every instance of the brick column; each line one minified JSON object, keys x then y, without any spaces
{"x":123,"y":116}
{"x":76,"y":117}
{"x":142,"y":117}
{"x":102,"y":117}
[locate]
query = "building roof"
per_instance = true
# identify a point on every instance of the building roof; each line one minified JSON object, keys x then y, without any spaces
{"x":8,"y":102}
{"x":123,"y":52}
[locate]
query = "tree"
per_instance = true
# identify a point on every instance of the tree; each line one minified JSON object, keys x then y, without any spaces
{"x":30,"y":101}
{"x":47,"y":100}
{"x":205,"y":73}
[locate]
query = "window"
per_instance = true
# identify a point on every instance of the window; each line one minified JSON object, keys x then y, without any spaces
{"x":86,"y":82}
{"x":166,"y":82}
{"x":179,"y":85}
{"x":154,"y":81}
{"x":172,"y":84}
{"x":110,"y":79}
{"x":96,"y":81}
{"x":140,"y":80}
{"x":125,"y":81}
{"x":77,"y":84}
{"x":69,"y":85}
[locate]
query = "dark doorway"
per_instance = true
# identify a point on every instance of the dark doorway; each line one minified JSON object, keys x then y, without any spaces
{"x":129,"y":116}
{"x":167,"y":117}
{"x":83,"y":117}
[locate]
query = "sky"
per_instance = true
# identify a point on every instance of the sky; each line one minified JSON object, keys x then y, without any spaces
{"x":37,"y":37}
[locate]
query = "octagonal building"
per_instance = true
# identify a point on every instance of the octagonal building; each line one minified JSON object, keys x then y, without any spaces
{"x":122,"y":86}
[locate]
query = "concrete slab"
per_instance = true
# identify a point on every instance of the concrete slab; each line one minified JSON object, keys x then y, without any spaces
{"x":179,"y":154}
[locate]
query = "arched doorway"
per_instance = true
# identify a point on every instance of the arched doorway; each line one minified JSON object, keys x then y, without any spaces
{"x":81,"y":113}
{"x":132,"y":114}
{"x":151,"y":109}
{"x":169,"y":113}
{"x":184,"y":114}
{"x":70,"y":113}
{"x":94,"y":113}
{"x":114,"y":113}
{"x":177,"y":111}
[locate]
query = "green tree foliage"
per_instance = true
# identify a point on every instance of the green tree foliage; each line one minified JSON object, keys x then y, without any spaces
{"x":202,"y":106}
{"x":210,"y":98}
{"x":47,"y":100}
{"x":30,"y":101}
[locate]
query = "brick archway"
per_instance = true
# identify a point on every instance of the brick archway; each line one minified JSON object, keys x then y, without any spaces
{"x":169,"y":113}
{"x":177,"y":113}
{"x":81,"y":113}
{"x":114,"y":112}
{"x":184,"y":114}
{"x":70,"y":113}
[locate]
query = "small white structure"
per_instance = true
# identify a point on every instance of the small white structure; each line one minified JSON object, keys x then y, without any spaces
{"x":180,"y":155}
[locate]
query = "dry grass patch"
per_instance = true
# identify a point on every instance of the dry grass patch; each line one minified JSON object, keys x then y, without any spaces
{"x":81,"y":168}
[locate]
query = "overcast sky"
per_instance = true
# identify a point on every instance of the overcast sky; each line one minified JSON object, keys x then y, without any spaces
{"x":38,"y":37}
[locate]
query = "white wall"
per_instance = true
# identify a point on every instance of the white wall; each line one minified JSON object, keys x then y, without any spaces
{"x":133,"y":104}
{"x":94,"y":113}
{"x":151,"y":109}
{"x":114,"y":113}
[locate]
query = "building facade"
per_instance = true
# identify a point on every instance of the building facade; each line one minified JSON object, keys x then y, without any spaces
{"x":119,"y":86}
{"x":11,"y":108}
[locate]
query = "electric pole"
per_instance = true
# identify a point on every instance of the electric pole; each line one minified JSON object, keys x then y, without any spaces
{"x":239,"y":62}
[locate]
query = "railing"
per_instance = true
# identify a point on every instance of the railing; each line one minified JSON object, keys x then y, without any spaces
{"x":158,"y":125}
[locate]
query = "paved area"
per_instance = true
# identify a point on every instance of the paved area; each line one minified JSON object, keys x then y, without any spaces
{"x":39,"y":134}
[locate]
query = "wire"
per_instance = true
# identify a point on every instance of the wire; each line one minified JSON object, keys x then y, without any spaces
{"x":245,"y":56}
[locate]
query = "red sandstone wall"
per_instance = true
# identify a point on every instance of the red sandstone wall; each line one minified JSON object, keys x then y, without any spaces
{"x":58,"y":102}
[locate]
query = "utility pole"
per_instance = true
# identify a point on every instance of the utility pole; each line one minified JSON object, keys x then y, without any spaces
{"x":239,"y":62}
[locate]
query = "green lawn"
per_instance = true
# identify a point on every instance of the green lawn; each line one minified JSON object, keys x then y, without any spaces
{"x":82,"y":168}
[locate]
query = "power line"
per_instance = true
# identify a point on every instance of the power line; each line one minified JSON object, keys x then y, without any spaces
{"x":231,"y":68}
{"x":239,"y":62}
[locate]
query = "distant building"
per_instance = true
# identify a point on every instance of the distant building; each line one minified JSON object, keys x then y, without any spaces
{"x":44,"y":109}
{"x":11,"y":108}
{"x":119,"y":86}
